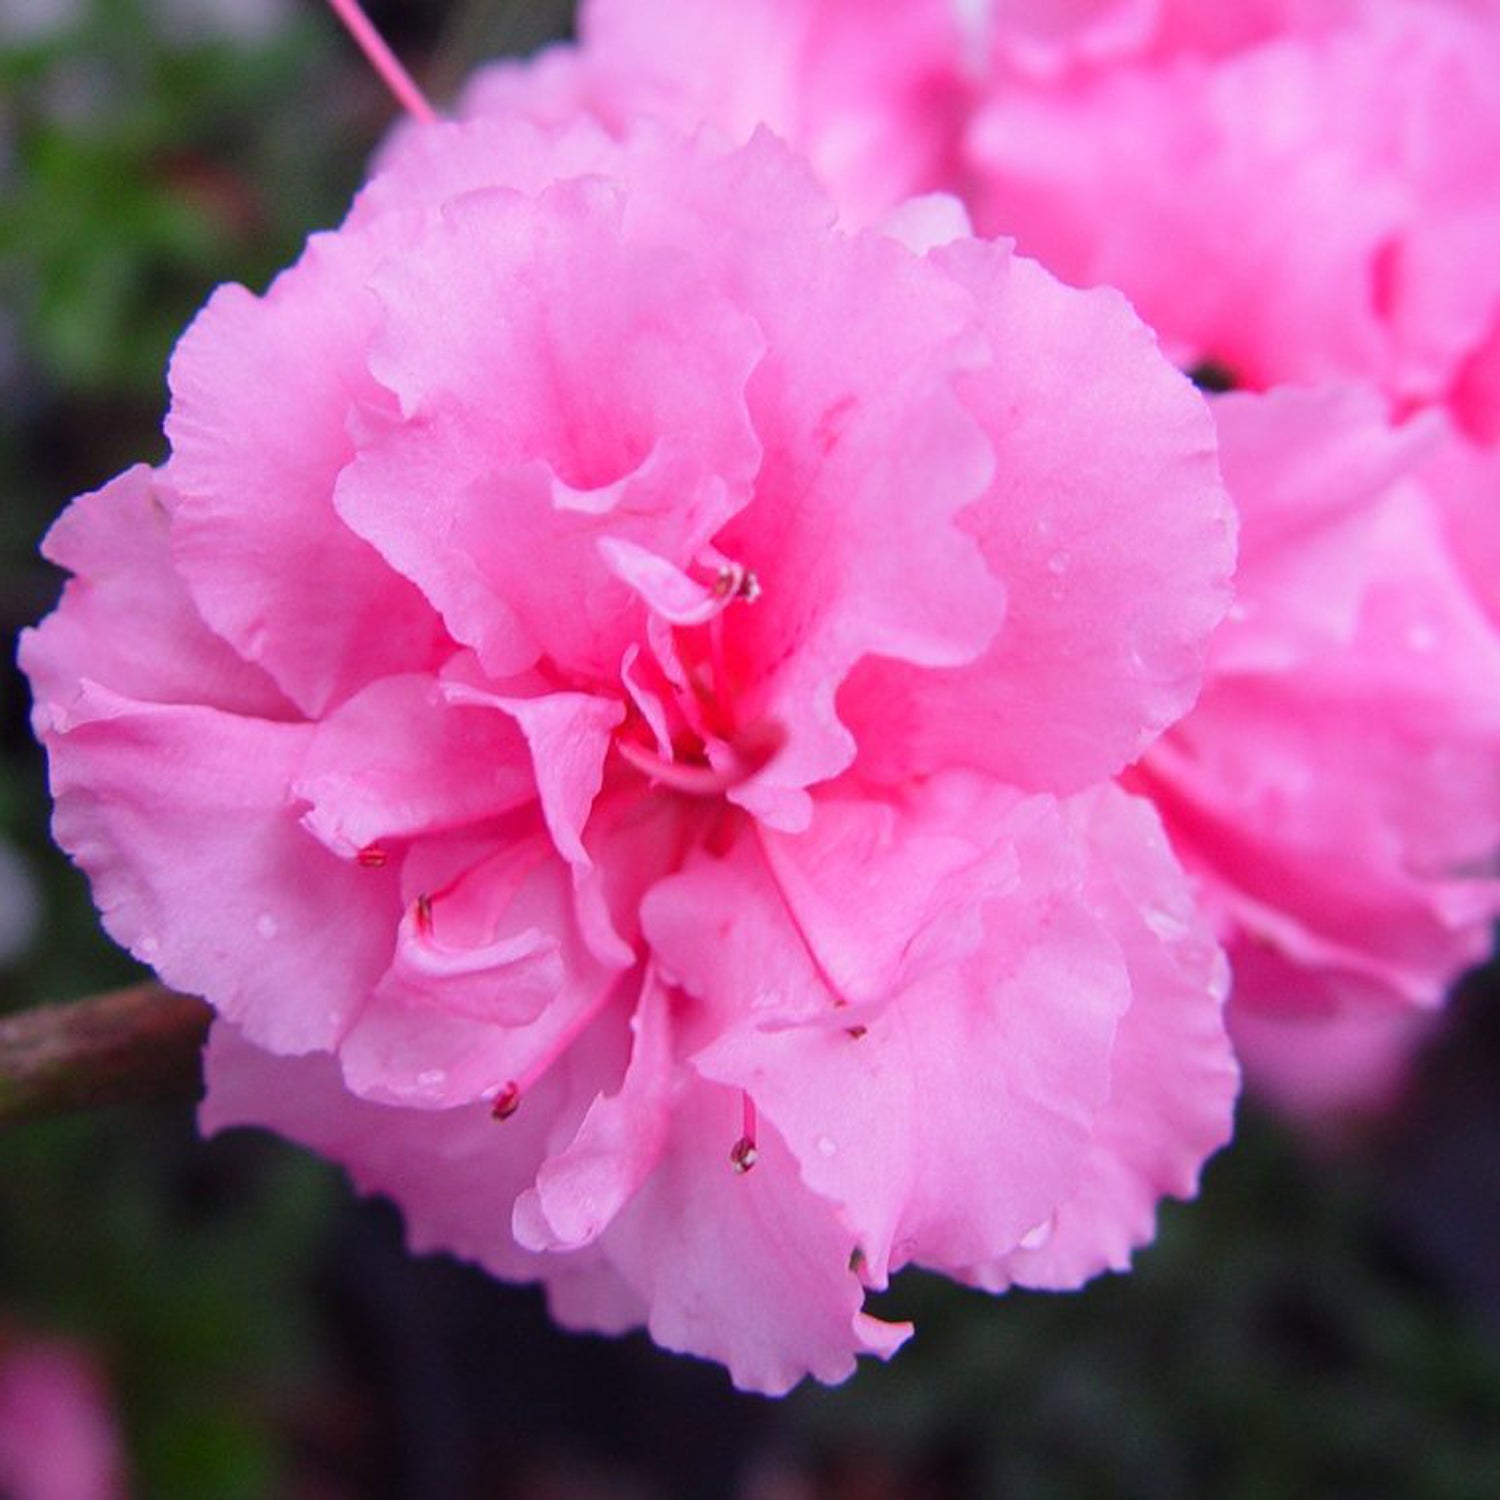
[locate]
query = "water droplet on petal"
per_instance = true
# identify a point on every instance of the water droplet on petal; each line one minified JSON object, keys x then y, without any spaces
{"x":148,"y":947}
{"x":1167,"y":925}
{"x":267,"y":925}
{"x":1037,"y":1235}
{"x":826,"y":1146}
{"x":1058,"y":564}
{"x":1422,"y":637}
{"x":430,"y":1078}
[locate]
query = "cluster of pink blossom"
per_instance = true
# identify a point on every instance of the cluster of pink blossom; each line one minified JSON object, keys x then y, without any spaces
{"x":1293,"y":193}
{"x":639,"y":692}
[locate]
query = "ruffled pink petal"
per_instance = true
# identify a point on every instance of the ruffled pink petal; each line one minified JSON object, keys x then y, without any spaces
{"x":1323,"y":1046}
{"x":1046,"y":38}
{"x":1107,"y":529}
{"x":569,"y":735}
{"x":875,"y":109}
{"x":491,"y":982}
{"x":580,"y":1190}
{"x":262,"y":392}
{"x":402,"y":758}
{"x":858,"y":413}
{"x":987,"y":1068}
{"x":214,"y":883}
{"x":126,"y":620}
{"x":455,"y":1173}
{"x":749,"y":1268}
{"x":633,"y":424}
{"x":1335,"y":787}
{"x":1173,"y":1076}
{"x":1464,"y":479}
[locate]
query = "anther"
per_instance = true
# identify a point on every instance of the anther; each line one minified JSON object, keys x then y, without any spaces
{"x":506,"y":1102}
{"x":424,"y":915}
{"x":856,"y":1032}
{"x":372,"y":857}
{"x":737,"y":583}
{"x":743,"y":1155}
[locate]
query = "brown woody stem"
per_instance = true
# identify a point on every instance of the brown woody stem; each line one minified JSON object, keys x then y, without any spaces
{"x":130,"y":1046}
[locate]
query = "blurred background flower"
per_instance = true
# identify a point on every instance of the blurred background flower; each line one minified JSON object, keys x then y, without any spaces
{"x":58,"y":1439}
{"x":1324,"y":1321}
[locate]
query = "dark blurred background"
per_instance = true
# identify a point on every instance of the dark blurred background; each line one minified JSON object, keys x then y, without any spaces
{"x":1324,"y":1321}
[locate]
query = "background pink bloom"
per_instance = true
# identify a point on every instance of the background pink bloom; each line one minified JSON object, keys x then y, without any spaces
{"x":609,"y":698}
{"x":1335,"y":787}
{"x":1047,"y":38}
{"x":876,"y":104}
{"x":1319,"y":204}
{"x":57,"y":1436}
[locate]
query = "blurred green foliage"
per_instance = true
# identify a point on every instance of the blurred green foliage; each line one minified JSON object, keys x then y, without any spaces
{"x":1273,"y":1342}
{"x":143,"y":166}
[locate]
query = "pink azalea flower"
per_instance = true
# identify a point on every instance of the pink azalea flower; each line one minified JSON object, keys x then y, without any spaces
{"x":612,"y":699}
{"x":876,"y":104}
{"x":1337,"y":787}
{"x":1044,"y":39}
{"x":1317,"y":205}
{"x":57,"y":1435}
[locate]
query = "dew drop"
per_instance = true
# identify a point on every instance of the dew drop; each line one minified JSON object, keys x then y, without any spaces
{"x":1058,"y":564}
{"x":826,"y":1146}
{"x":1167,"y":925}
{"x":149,"y":947}
{"x":1037,"y":1235}
{"x":1422,"y":637}
{"x":430,"y":1078}
{"x":267,"y":925}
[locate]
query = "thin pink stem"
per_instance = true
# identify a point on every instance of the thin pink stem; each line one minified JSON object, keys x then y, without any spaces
{"x":384,"y":61}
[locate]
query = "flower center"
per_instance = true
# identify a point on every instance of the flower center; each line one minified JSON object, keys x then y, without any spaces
{"x":683,"y":730}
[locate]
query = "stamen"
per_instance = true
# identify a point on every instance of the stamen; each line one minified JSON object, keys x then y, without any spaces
{"x":737,"y":583}
{"x":856,"y":1032}
{"x":753,"y":749}
{"x":424,"y":915}
{"x":384,"y":61}
{"x":508,"y":1097}
{"x":743,"y":1154}
{"x":371,"y":857}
